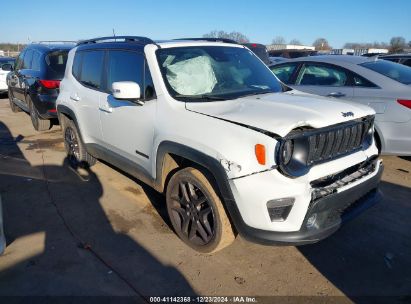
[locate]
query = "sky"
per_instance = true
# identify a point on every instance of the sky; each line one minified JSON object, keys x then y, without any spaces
{"x":337,"y":21}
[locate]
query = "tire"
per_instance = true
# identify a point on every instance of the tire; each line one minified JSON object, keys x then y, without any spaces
{"x":191,"y":199}
{"x":14,"y":108}
{"x":75,"y":148}
{"x":39,"y":123}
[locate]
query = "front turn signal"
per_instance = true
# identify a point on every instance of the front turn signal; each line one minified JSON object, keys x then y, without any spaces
{"x":260,"y":153}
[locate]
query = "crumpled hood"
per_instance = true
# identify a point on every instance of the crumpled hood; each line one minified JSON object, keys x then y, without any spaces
{"x":279,"y":113}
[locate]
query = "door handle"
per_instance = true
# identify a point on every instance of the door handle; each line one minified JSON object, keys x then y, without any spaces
{"x":75,"y":98}
{"x":336,"y":94}
{"x":105,"y":108}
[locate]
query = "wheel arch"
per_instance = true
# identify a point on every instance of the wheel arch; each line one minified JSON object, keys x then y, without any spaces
{"x":65,"y":111}
{"x":172,"y":157}
{"x":379,"y":139}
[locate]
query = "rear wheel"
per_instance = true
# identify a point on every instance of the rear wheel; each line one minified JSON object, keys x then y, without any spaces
{"x":75,"y":148}
{"x":39,"y":123}
{"x":14,"y":108}
{"x":197,"y":213}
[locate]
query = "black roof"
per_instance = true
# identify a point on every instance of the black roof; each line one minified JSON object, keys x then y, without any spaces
{"x":128,"y":42}
{"x":134,"y":42}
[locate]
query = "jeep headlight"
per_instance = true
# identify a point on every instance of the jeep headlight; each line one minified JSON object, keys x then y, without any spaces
{"x":292,"y":156}
{"x":287,"y":151}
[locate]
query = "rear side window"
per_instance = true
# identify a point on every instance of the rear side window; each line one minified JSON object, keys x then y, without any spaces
{"x":392,"y":59}
{"x":56,"y":63}
{"x":27,"y":59}
{"x":396,"y":71}
{"x":92,"y":69}
{"x":125,"y":66}
{"x":284,"y":71}
{"x":35,"y":63}
{"x":76,"y":68}
{"x":322,"y":75}
{"x":407,"y":62}
{"x":362,"y":82}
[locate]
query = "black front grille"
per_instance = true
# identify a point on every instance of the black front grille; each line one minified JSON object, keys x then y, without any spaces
{"x":338,"y":141}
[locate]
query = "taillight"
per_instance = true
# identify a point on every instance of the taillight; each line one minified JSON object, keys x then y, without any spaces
{"x":405,"y":103}
{"x":50,"y":84}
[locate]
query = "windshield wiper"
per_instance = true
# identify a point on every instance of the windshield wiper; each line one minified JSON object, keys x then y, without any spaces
{"x":257,"y":93}
{"x":199,"y":97}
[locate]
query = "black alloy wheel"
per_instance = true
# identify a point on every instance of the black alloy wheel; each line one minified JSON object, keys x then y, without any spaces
{"x":192,"y":215}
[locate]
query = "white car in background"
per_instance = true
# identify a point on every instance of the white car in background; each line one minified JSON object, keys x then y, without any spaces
{"x":6,"y":65}
{"x":383,"y":85}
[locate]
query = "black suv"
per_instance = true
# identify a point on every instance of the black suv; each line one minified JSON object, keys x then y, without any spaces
{"x":34,"y":83}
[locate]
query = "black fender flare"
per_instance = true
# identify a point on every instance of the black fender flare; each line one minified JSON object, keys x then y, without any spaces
{"x":62,"y":109}
{"x":213,"y":166}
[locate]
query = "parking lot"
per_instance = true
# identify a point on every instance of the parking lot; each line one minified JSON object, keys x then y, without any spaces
{"x":104,"y":233}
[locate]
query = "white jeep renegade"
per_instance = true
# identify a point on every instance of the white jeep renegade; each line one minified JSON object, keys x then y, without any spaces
{"x":233,"y":149}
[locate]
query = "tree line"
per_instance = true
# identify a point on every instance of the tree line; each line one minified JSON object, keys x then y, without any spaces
{"x":396,"y":44}
{"x":12,"y":47}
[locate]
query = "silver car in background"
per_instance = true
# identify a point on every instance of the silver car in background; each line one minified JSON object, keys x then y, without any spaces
{"x":383,"y":85}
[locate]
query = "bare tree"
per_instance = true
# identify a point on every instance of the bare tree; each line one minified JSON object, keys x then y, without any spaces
{"x":397,"y":44}
{"x":321,"y":44}
{"x":278,"y":40}
{"x":236,"y":36}
{"x":295,"y":42}
{"x":366,"y":45}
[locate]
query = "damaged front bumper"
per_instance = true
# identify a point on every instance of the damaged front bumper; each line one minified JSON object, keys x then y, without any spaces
{"x":333,"y":201}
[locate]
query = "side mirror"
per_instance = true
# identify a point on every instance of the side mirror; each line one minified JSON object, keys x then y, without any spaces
{"x":126,"y":90}
{"x":7,"y":67}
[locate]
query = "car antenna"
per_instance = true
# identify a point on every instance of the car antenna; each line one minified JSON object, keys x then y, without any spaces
{"x":114,"y":35}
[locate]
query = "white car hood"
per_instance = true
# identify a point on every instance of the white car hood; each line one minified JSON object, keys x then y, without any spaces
{"x":279,"y":113}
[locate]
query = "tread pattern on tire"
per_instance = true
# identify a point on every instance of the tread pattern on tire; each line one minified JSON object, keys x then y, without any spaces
{"x":14,"y":108}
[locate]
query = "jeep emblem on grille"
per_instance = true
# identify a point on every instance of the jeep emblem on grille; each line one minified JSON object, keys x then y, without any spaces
{"x":347,"y":114}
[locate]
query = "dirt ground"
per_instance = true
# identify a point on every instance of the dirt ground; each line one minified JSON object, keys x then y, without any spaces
{"x":107,"y":234}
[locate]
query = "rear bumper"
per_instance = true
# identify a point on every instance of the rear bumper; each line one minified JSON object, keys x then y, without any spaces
{"x":330,"y":213}
{"x":45,"y":105}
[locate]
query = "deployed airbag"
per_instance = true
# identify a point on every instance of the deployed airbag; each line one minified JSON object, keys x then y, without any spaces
{"x":194,"y":76}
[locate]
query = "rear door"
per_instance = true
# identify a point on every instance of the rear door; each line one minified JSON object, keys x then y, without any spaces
{"x":86,"y":93}
{"x":325,"y":80}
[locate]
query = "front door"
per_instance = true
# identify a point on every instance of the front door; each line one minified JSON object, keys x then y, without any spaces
{"x":128,"y":126}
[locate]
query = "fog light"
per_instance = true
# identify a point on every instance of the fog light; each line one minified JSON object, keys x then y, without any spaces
{"x":311,"y":221}
{"x":279,"y":209}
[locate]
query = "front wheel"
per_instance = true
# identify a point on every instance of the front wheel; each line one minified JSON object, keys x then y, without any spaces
{"x":14,"y":108}
{"x":197,"y":213}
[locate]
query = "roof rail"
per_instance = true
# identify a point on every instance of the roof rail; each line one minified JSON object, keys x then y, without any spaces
{"x":52,"y":42}
{"x":224,"y":40}
{"x":143,"y":40}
